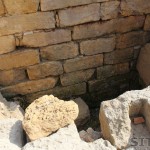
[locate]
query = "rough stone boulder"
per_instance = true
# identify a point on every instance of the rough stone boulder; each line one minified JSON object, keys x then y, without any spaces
{"x":67,"y":139}
{"x":84,"y":112}
{"x":143,"y":64}
{"x":10,"y":109}
{"x":115,"y":116}
{"x":48,"y":114}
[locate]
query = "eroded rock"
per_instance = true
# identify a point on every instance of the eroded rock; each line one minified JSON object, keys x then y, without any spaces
{"x":48,"y":114}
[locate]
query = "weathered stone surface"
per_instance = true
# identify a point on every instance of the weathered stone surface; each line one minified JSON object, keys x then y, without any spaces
{"x":26,"y":22}
{"x":7,"y":44}
{"x":130,"y":39}
{"x":30,"y":86}
{"x":21,"y":6}
{"x":110,"y":10}
{"x":134,"y":7}
{"x":12,"y":77}
{"x":59,"y":52}
{"x":97,"y":46}
{"x":118,"y":56}
{"x":10,"y":110}
{"x":11,"y":130}
{"x":45,"y":69}
{"x":2,"y":11}
{"x":61,"y":92}
{"x":66,"y":139}
{"x":144,"y":63}
{"x":50,"y":114}
{"x":83,"y":63}
{"x":89,"y":135}
{"x":76,"y":77}
{"x":84,"y":112}
{"x":19,"y":59}
{"x":115,"y":25}
{"x":147,"y":23}
{"x":57,"y":4}
{"x":115,"y":116}
{"x":112,"y":70}
{"x":79,"y":15}
{"x":46,"y":38}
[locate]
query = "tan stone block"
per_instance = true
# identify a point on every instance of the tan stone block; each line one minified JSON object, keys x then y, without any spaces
{"x":7,"y":44}
{"x":115,"y":25}
{"x":76,"y":77}
{"x":21,"y":6}
{"x":101,"y":45}
{"x":134,"y":7}
{"x":59,"y":52}
{"x":147,"y":23}
{"x":118,"y":56}
{"x":12,"y":77}
{"x":19,"y":59}
{"x":112,"y":70}
{"x":110,"y":10}
{"x":130,"y":39}
{"x":79,"y":15}
{"x":83,"y":63}
{"x":46,"y":38}
{"x":29,"y":87}
{"x":2,"y":10}
{"x":26,"y":22}
{"x":45,"y":69}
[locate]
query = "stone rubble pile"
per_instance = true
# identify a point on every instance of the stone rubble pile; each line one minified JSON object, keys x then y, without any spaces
{"x":49,"y":123}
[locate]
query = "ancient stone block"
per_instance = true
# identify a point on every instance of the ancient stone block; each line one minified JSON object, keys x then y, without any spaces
{"x":59,"y":52}
{"x":45,"y":69}
{"x":147,"y":23}
{"x":102,"y":45}
{"x":46,"y":38}
{"x":79,"y":15}
{"x":83,"y":63}
{"x":19,"y":59}
{"x":2,"y":10}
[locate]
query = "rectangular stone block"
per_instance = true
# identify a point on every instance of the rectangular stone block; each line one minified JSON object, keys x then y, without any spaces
{"x":29,"y":87}
{"x":45,"y":69}
{"x":27,"y":22}
{"x":46,"y":38}
{"x":7,"y":44}
{"x":130,"y":39}
{"x":12,"y":77}
{"x":60,"y":92}
{"x":19,"y":59}
{"x":59,"y":52}
{"x":113,"y":26}
{"x":147,"y":23}
{"x":110,"y":10}
{"x":76,"y":77}
{"x":83,"y":63}
{"x":119,"y":56}
{"x":112,"y":70}
{"x":101,"y":45}
{"x":2,"y":10}
{"x":58,"y":4}
{"x":21,"y":6}
{"x":79,"y":15}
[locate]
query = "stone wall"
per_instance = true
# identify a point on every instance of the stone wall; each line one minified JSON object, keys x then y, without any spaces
{"x":71,"y":47}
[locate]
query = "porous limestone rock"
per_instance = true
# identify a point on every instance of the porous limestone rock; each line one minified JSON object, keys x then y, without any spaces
{"x":10,"y":109}
{"x":48,"y":114}
{"x":67,"y":139}
{"x":84,"y":112}
{"x":11,"y":131}
{"x":115,"y":116}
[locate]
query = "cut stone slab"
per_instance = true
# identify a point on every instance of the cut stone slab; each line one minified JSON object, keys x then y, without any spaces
{"x":11,"y":130}
{"x":84,"y":112}
{"x":115,"y":116}
{"x":67,"y":139}
{"x":48,"y":114}
{"x":10,"y":109}
{"x":143,"y":64}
